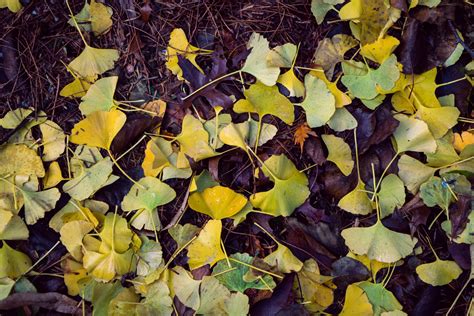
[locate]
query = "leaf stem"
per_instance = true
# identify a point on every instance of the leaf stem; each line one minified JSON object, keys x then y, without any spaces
{"x":210,"y":83}
{"x":42,"y":257}
{"x":123,"y":171}
{"x":376,"y":187}
{"x":75,"y":23}
{"x":255,"y":268}
{"x":263,"y":164}
{"x":450,"y":82}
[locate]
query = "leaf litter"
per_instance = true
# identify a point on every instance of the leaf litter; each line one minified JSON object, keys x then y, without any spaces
{"x":227,"y":210}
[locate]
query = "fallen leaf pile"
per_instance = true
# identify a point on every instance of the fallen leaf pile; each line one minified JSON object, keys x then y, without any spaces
{"x":237,"y":210}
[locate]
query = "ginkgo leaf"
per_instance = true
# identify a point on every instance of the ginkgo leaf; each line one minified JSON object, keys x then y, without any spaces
{"x":439,"y":120}
{"x":339,"y":153}
{"x":98,"y":129}
{"x":319,"y":103}
{"x":373,"y":266}
{"x":6,"y":284}
{"x":193,"y":142}
{"x":215,"y":125}
{"x":357,"y":201}
{"x":320,"y":8}
{"x":331,"y":51}
{"x":413,"y":135}
{"x":439,"y":272}
{"x":94,"y":61}
{"x":74,"y":276}
{"x":245,"y":133}
{"x":157,"y":301}
{"x":256,"y":63}
{"x":315,"y":288}
{"x":462,"y":140}
{"x":12,"y":5}
{"x":264,"y":100}
{"x":466,"y":236}
{"x":183,"y":233}
{"x":364,"y":82}
{"x":18,"y":159}
{"x":236,"y":304}
{"x":212,"y":296}
{"x":185,"y":287}
{"x":115,"y":234}
{"x":342,"y":120}
{"x":73,"y":211}
{"x":89,"y":180}
{"x":381,"y":49}
{"x":378,"y":242}
{"x":413,"y":173}
{"x":291,"y":82}
{"x":53,"y":176}
{"x":445,"y":153}
{"x":282,"y":56}
{"x":13,"y":263}
{"x":341,"y":98}
{"x":218,"y":202}
{"x":356,"y":302}
{"x":145,"y":196}
{"x":100,"y":17}
{"x":283,"y":259}
{"x":14,"y":118}
{"x":373,"y":18}
{"x":99,"y":96}
{"x":149,"y":257}
{"x":290,"y":188}
{"x":206,"y":248}
{"x":179,"y":45}
{"x":442,"y":191}
{"x":38,"y":203}
{"x":234,"y":279}
{"x":391,"y":195}
{"x":53,"y":140}
{"x":77,"y":88}
{"x":12,"y":226}
{"x":382,"y":300}
{"x":72,"y":234}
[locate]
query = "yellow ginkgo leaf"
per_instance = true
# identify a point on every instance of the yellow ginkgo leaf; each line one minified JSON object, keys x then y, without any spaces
{"x":357,"y":201}
{"x":283,"y":259}
{"x":413,"y":135}
{"x":381,"y":49}
{"x":13,"y":263}
{"x":439,"y":272}
{"x":53,"y":140}
{"x":256,"y":63}
{"x":373,"y":266}
{"x":193,"y":142}
{"x":53,"y":175}
{"x":290,"y":81}
{"x":339,"y":153}
{"x":98,"y":129}
{"x":342,"y":99}
{"x":100,"y":96}
{"x":179,"y":45}
{"x":12,"y":5}
{"x":218,"y":202}
{"x":439,"y":120}
{"x":12,"y":226}
{"x":77,"y":88}
{"x":20,"y":160}
{"x":356,"y":302}
{"x":75,"y":276}
{"x":206,"y":248}
{"x":72,"y":234}
{"x":462,"y":140}
{"x":94,"y":61}
{"x":100,"y":17}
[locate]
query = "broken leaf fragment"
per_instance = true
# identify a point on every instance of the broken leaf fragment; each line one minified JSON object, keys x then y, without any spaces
{"x":378,"y":242}
{"x":218,"y":202}
{"x":98,"y":129}
{"x":206,"y":248}
{"x":439,"y":272}
{"x":290,"y":188}
{"x":339,"y":153}
{"x":94,"y":61}
{"x":256,"y":63}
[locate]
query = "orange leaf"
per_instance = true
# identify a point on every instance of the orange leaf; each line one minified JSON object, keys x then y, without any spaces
{"x":302,"y":132}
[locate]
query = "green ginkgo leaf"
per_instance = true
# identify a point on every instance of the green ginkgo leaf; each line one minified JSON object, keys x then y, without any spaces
{"x":413,"y":135}
{"x":150,"y":256}
{"x":263,"y":100}
{"x":413,"y":173}
{"x":439,"y":272}
{"x":364,"y":83}
{"x":89,"y":180}
{"x":357,"y":201}
{"x":218,"y":202}
{"x":339,"y":153}
{"x":144,"y":197}
{"x":38,"y":203}
{"x":13,"y":263}
{"x":319,"y":103}
{"x":256,"y":63}
{"x":99,"y":96}
{"x":18,"y":159}
{"x":183,"y":233}
{"x":6,"y":286}
{"x":290,"y":188}
{"x":234,"y":279}
{"x":442,"y":191}
{"x":391,"y":195}
{"x":445,"y":153}
{"x":382,"y":300}
{"x":378,"y":242}
{"x":342,"y":120}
